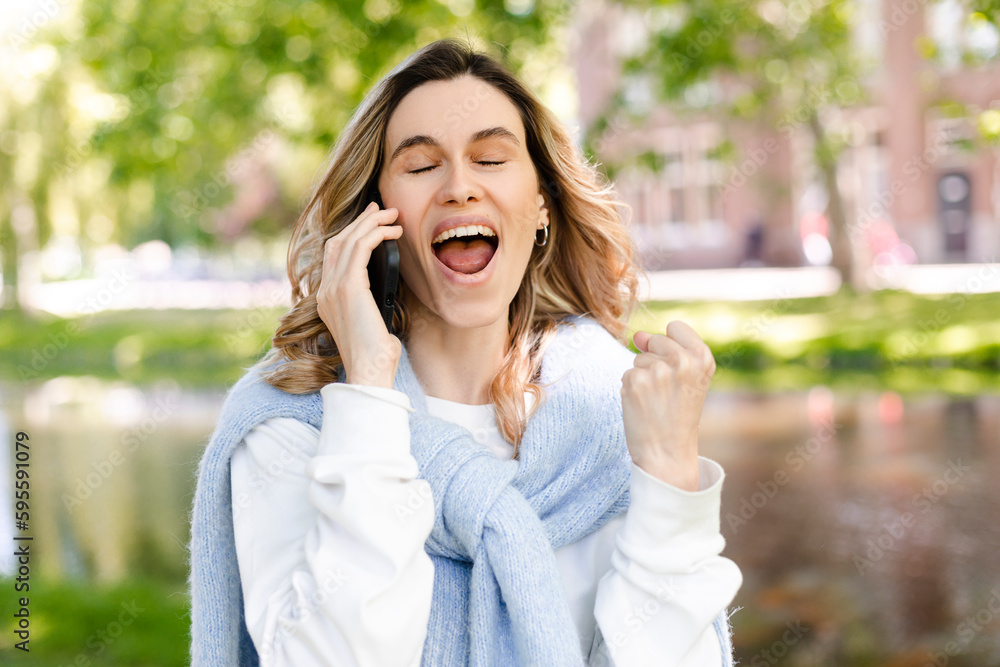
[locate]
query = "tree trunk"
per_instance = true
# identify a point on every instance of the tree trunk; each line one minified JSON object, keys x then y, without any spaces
{"x":19,"y":228}
{"x":9,"y":244}
{"x":840,"y":238}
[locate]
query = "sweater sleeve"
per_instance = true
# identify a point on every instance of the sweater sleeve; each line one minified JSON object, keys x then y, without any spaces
{"x":668,"y":581}
{"x":330,"y":527}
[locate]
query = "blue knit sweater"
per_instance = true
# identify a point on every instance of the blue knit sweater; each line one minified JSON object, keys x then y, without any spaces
{"x":497,"y":598}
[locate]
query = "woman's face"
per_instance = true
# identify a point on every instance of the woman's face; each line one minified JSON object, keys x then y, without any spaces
{"x":456,"y":157}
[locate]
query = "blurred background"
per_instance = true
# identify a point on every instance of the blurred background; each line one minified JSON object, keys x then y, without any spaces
{"x":814,"y":185}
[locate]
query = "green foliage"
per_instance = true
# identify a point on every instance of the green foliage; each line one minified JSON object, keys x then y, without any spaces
{"x":204,"y":80}
{"x":874,"y":340}
{"x":989,"y":10}
{"x":767,"y":62}
{"x":203,"y":348}
{"x":782,"y":62}
{"x":140,"y":108}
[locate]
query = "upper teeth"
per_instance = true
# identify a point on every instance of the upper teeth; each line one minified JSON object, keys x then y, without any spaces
{"x":468,"y":230}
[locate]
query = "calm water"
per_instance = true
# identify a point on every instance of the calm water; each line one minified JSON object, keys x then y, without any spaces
{"x":866,"y":526}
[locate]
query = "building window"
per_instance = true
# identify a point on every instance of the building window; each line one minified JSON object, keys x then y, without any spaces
{"x":680,"y":203}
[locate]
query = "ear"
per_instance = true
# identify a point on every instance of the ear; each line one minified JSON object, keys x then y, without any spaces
{"x":543,"y":212}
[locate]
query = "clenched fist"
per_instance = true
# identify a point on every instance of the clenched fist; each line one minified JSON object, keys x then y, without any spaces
{"x":662,"y":398}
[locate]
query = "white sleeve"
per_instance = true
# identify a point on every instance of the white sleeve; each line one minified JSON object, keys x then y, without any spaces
{"x":330,"y":528}
{"x":667,"y":581}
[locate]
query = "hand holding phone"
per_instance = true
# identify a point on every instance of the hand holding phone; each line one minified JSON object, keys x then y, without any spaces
{"x":383,"y":273}
{"x":357,"y":320}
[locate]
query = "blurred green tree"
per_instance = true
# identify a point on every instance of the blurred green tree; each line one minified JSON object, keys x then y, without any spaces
{"x":137,"y":109}
{"x":772,"y":63}
{"x":988,"y":120}
{"x":989,"y":9}
{"x":762,"y":62}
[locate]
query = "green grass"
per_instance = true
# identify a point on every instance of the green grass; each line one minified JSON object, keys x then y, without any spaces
{"x":198,"y":348}
{"x":885,"y":339}
{"x":140,"y":623}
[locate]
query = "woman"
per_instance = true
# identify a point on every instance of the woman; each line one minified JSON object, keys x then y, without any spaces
{"x":502,"y":482}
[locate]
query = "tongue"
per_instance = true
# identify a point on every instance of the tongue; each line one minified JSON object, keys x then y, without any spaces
{"x":465,"y":256}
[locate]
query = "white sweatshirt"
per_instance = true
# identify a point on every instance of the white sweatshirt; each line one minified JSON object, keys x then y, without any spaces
{"x":330,"y":527}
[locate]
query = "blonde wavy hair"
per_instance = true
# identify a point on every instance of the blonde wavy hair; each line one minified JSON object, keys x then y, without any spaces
{"x":586,"y":268}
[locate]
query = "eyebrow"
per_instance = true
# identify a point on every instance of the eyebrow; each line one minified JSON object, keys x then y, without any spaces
{"x":425,"y":140}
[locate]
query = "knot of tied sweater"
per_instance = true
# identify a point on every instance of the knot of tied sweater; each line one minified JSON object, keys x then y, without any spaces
{"x":574,"y":466}
{"x":497,"y":523}
{"x":490,"y":543}
{"x":467,"y":484}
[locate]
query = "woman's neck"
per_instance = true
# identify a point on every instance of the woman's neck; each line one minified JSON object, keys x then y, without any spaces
{"x":454,"y":363}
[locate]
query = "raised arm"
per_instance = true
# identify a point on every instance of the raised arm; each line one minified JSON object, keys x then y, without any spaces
{"x":668,"y":582}
{"x":668,"y":579}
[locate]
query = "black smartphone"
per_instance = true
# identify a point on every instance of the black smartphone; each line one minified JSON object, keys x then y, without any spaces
{"x":383,"y":270}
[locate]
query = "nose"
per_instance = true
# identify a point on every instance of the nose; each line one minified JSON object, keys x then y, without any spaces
{"x":460,"y":186}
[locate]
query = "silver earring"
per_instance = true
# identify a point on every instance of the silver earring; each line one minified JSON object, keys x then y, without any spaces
{"x":545,"y":237}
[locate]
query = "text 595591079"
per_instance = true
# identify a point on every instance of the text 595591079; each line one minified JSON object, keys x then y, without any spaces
{"x":22,"y":541}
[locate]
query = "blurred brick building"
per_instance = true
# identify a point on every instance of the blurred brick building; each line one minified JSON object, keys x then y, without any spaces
{"x":908,"y":168}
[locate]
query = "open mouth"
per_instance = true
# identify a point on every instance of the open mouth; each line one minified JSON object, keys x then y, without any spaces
{"x":467,"y":252}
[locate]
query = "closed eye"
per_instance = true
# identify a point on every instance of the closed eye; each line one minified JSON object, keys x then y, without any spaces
{"x":486,"y":162}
